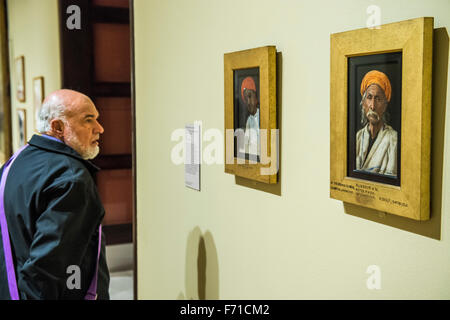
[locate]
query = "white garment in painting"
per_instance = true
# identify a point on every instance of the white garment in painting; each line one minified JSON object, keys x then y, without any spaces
{"x":382,"y":157}
{"x":251,"y":137}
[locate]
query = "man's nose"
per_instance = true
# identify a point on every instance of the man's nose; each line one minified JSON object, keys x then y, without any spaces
{"x":99,"y":128}
{"x":371,"y":104}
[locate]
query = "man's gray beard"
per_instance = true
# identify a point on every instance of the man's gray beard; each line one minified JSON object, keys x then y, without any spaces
{"x":88,"y":153}
{"x":91,"y":153}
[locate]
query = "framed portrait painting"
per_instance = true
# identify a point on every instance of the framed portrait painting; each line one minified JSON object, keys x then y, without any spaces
{"x":250,"y":114}
{"x":38,"y":97}
{"x":20,"y":78}
{"x":22,"y":126}
{"x":380,"y":117}
{"x":374,"y":117}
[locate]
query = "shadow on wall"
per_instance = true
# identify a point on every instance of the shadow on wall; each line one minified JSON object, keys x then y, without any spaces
{"x":202,"y":267}
{"x":432,"y":227}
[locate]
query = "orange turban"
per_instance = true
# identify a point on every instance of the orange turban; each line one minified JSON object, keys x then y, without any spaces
{"x":247,"y":83}
{"x":379,"y":78}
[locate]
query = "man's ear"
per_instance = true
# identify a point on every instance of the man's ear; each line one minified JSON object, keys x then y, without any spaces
{"x":57,"y":127}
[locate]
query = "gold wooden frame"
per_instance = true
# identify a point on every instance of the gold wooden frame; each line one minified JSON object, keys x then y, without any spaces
{"x":19,"y":69}
{"x":264,"y":58}
{"x":414,"y":39}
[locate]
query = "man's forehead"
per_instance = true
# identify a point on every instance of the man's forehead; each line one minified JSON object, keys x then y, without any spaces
{"x":374,"y":88}
{"x":83,"y":108}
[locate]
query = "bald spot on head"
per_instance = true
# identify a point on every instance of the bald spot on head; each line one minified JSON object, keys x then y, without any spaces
{"x":70,"y":99}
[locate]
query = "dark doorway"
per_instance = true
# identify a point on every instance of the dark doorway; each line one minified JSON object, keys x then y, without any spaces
{"x":98,"y":59}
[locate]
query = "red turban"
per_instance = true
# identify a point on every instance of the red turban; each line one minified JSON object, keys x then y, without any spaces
{"x":379,"y":78}
{"x":247,"y":83}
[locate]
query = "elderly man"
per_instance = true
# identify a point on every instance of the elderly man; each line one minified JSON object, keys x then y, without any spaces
{"x":52,"y":245}
{"x":376,"y":142}
{"x":251,"y":136}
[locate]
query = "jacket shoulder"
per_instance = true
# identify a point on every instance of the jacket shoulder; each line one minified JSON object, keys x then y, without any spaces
{"x":57,"y":167}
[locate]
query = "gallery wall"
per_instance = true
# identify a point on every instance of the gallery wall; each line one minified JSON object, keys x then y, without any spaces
{"x":34,"y":33}
{"x":238,"y":239}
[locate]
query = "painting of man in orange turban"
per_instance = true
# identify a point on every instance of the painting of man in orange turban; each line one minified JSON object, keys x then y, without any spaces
{"x":247,"y":112}
{"x":251,"y":136}
{"x":376,"y":142}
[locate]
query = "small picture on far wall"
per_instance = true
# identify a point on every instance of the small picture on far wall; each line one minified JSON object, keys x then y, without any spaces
{"x":22,"y":126}
{"x":20,"y":78}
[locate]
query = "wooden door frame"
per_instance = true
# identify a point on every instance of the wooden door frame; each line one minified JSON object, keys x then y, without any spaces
{"x":133,"y":151}
{"x":5,"y":93}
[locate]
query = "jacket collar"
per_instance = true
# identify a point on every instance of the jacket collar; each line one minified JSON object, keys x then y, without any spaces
{"x":60,"y":147}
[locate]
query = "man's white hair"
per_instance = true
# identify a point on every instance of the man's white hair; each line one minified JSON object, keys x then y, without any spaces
{"x":52,"y":108}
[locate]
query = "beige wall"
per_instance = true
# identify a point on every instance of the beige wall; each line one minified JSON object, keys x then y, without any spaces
{"x":241,"y":242}
{"x":34,"y":33}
